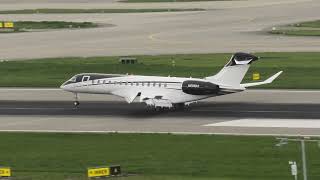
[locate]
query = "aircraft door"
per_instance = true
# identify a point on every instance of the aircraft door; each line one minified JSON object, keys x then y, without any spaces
{"x":85,"y":78}
{"x":86,"y":82}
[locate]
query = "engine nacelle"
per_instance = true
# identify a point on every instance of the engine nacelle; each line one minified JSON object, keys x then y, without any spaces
{"x":199,"y":88}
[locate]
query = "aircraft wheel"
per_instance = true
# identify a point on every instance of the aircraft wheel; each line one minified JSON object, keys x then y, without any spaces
{"x":76,"y":103}
{"x":179,"y":106}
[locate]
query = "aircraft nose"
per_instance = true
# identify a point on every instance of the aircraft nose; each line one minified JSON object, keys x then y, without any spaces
{"x":63,"y":86}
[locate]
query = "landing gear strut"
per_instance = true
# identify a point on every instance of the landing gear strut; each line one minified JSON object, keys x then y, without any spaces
{"x":181,"y":107}
{"x":76,"y":103}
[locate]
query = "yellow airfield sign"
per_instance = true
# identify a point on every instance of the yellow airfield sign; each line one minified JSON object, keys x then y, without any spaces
{"x":98,"y":172}
{"x":8,"y":25}
{"x":5,"y":172}
{"x":256,"y":76}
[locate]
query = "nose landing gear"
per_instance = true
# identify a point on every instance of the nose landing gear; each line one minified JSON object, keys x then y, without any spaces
{"x":76,"y":103}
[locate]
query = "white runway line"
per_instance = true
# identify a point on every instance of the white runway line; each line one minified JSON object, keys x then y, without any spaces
{"x":277,"y":123}
{"x":154,"y":132}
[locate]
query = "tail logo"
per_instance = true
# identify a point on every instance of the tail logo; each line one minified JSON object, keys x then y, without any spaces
{"x":241,"y":59}
{"x":242,"y":62}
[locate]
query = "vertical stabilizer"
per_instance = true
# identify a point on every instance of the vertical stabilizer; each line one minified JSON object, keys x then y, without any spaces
{"x":234,"y":71}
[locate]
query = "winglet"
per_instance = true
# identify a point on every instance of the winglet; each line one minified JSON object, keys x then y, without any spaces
{"x":268,"y":81}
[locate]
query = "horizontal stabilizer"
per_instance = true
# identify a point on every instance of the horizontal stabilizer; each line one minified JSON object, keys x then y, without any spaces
{"x":269,"y":80}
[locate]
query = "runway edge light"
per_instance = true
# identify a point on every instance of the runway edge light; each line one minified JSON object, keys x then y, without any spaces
{"x":5,"y":172}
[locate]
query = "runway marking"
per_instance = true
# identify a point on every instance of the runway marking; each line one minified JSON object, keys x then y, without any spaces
{"x":34,"y":108}
{"x":253,"y":111}
{"x":277,"y":123}
{"x":156,"y":132}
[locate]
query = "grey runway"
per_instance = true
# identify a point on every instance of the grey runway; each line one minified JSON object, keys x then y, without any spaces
{"x":253,"y":112}
{"x":102,"y":117}
{"x":133,"y":111}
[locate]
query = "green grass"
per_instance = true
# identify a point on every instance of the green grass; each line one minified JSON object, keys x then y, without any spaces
{"x":72,"y":11}
{"x":310,"y":28}
{"x":301,"y":70}
{"x":52,"y":24}
{"x":311,"y":24}
{"x":23,"y":26}
{"x":152,"y":156}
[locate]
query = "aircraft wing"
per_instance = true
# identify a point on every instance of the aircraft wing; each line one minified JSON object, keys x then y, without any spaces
{"x":269,"y":80}
{"x":129,"y":96}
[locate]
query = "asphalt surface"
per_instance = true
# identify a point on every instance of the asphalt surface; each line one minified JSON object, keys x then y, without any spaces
{"x":226,"y":26}
{"x":49,"y":110}
{"x":116,"y":109}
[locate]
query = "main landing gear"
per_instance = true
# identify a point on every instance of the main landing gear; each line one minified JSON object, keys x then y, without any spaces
{"x":175,"y":107}
{"x":181,"y":107}
{"x":76,"y":103}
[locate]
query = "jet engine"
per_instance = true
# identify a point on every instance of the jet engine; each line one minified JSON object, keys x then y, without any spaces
{"x":199,"y":88}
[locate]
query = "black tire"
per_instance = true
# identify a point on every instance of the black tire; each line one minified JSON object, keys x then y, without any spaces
{"x":76,"y":103}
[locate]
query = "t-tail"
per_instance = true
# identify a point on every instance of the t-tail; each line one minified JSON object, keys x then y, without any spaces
{"x":234,"y":71}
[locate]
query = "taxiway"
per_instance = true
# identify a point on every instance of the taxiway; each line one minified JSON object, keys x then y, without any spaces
{"x":225,"y":26}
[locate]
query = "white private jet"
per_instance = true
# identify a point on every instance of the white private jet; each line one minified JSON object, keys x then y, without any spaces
{"x":167,"y":92}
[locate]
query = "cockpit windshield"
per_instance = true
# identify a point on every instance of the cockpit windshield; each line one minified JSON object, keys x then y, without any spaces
{"x":73,"y":79}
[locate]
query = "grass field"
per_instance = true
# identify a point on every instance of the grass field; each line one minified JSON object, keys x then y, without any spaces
{"x":310,"y":28}
{"x":301,"y":70}
{"x":152,"y":156}
{"x":23,"y":26}
{"x":73,"y":11}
